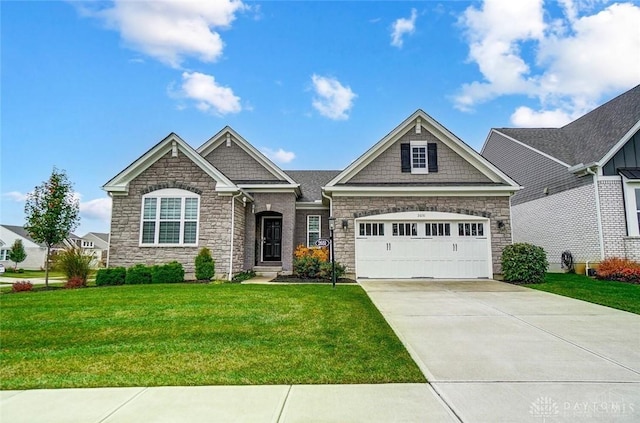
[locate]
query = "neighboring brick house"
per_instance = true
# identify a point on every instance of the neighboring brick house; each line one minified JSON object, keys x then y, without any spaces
{"x":419,"y":203}
{"x":581,"y":182}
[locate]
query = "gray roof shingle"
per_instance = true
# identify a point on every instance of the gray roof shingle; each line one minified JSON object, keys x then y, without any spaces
{"x":19,"y":230}
{"x":589,"y":138}
{"x":311,"y":182}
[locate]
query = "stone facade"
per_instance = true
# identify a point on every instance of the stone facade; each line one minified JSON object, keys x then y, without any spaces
{"x":285,"y":205}
{"x":214,"y":223}
{"x":238,"y":165}
{"x":575,"y":229}
{"x":496,"y":208}
{"x":452,"y":168}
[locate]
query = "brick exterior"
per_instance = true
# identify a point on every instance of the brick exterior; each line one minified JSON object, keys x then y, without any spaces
{"x":283,"y":203}
{"x":540,"y":222}
{"x":345,"y":207}
{"x":614,"y":222}
{"x":386,"y":167}
{"x":300,"y":235}
{"x":214,"y":224}
{"x":238,"y":165}
{"x":632,"y":247}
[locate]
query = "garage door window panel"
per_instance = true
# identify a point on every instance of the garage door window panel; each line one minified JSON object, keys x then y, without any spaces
{"x":470,"y":229}
{"x":437,"y":229}
{"x":371,"y":229}
{"x":404,"y":229}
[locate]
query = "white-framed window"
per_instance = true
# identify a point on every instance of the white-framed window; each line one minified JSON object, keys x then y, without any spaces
{"x":87,"y":244}
{"x":470,"y":229}
{"x":637,"y":192}
{"x":170,"y":218}
{"x":419,"y":158}
{"x":632,"y":203}
{"x":4,"y":255}
{"x":313,"y":230}
{"x":404,"y":229}
{"x":437,"y":229}
{"x":371,"y":229}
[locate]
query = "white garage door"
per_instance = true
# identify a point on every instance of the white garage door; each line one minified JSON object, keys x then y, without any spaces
{"x":423,"y":245}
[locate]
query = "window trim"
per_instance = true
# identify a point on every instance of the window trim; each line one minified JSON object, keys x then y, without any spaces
{"x":169,"y":193}
{"x":630,"y":201}
{"x":319,"y":231}
{"x":422,"y":145}
{"x":4,"y":254}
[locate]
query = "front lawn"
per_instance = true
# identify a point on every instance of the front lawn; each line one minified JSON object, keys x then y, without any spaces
{"x":33,"y":274}
{"x":620,"y":295}
{"x":197,"y":334}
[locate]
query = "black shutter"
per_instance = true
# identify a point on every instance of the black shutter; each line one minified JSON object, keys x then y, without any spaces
{"x":405,"y":157}
{"x":432,"y":156}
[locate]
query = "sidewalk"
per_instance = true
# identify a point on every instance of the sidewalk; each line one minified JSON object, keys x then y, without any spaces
{"x":255,"y":404}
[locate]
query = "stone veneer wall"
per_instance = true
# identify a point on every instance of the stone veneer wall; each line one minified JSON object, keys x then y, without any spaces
{"x":345,"y":207}
{"x":300,"y":236}
{"x":237,"y":164}
{"x":284,"y":203}
{"x":214,"y":224}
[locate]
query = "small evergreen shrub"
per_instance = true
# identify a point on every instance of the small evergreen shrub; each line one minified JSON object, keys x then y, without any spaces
{"x":243,"y":276}
{"x":205,"y":266}
{"x":619,"y":269}
{"x":313,"y":263}
{"x":111,"y":276}
{"x":524,"y":263}
{"x":21,"y":286}
{"x":167,"y":273}
{"x":326,"y":270}
{"x":138,"y":274}
{"x":75,"y":282}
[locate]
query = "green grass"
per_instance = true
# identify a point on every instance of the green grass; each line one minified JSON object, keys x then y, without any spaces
{"x":620,"y":295}
{"x":30,"y":274}
{"x":197,"y":334}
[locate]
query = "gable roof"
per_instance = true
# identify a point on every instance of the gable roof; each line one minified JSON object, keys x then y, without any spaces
{"x":22,"y":232}
{"x":590,"y":138}
{"x":421,"y":118}
{"x":226,"y":132}
{"x":120,"y":183}
{"x":311,"y":182}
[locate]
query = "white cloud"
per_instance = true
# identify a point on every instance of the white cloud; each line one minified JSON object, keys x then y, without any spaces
{"x":96,"y":209}
{"x":208,"y":94}
{"x":525,"y":117}
{"x":333,"y":100}
{"x":16,"y":196}
{"x":402,"y":27}
{"x":567,"y":63}
{"x":170,"y":30}
{"x":279,"y":155}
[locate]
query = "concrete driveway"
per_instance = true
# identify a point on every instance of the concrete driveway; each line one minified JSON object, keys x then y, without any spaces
{"x":496,"y":352}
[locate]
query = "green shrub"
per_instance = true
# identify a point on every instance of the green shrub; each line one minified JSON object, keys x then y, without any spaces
{"x":167,"y":273}
{"x":111,"y":276}
{"x":326,"y":270}
{"x":524,"y":263}
{"x":306,"y":267}
{"x":205,"y":266}
{"x":243,"y":276}
{"x":74,"y":263}
{"x":138,"y":274}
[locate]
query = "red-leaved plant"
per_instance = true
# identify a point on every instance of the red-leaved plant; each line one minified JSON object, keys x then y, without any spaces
{"x":75,"y":282}
{"x":22,"y":286}
{"x":619,"y":269}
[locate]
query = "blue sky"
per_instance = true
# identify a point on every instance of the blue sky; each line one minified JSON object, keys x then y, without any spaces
{"x":88,"y":87}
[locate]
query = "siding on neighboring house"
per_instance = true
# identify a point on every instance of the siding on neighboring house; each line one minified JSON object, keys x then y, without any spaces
{"x":614,"y":226}
{"x":452,"y":168}
{"x":576,"y":229}
{"x":214,"y":223}
{"x":532,"y":170}
{"x":238,"y":165}
{"x":300,"y":235}
{"x":345,"y":207}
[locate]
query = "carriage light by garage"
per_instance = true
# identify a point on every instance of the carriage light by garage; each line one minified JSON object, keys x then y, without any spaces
{"x":345,"y":224}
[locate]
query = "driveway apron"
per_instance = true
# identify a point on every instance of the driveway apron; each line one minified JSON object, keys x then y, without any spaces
{"x":497,"y":352}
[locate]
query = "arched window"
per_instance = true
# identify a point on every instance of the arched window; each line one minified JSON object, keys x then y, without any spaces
{"x":170,"y":218}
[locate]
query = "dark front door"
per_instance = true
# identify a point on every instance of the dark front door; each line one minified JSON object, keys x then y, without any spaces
{"x":272,"y":239}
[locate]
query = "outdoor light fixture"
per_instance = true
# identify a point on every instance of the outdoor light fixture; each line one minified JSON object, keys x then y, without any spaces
{"x":345,"y":224}
{"x":332,"y":227}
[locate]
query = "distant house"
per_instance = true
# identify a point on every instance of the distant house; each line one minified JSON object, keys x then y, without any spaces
{"x":419,"y":203}
{"x":96,"y":244}
{"x":36,"y":253}
{"x":581,"y":182}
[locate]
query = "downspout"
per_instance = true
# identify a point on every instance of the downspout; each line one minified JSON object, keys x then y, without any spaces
{"x":598,"y":214}
{"x":233,"y":222}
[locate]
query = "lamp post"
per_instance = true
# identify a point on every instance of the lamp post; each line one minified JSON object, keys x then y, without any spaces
{"x":332,"y":226}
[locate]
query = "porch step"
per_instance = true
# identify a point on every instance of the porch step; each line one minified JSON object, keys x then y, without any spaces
{"x":269,"y":271}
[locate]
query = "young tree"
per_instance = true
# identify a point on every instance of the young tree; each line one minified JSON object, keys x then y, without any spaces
{"x":17,"y":254}
{"x":52,"y":212}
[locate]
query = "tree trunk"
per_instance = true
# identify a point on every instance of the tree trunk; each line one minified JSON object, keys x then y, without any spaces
{"x":46,"y":268}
